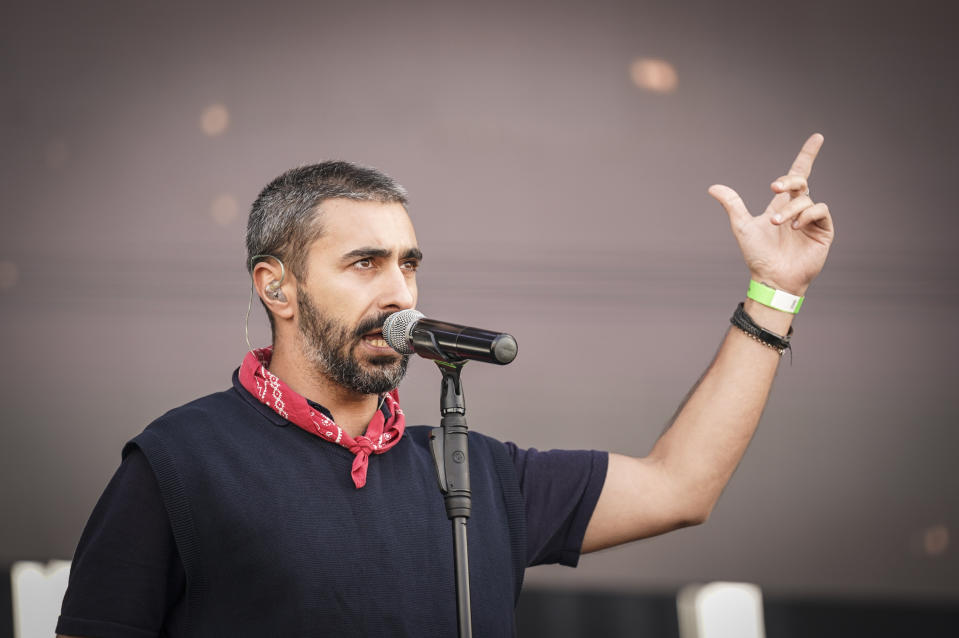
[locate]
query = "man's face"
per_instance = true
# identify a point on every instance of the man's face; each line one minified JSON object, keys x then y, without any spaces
{"x":360,"y":271}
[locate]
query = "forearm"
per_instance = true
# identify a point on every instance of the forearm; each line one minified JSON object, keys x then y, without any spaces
{"x":681,"y":479}
{"x":785,"y":248}
{"x":710,"y":433}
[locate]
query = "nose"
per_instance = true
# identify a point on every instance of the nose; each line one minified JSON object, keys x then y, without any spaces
{"x":399,"y":289}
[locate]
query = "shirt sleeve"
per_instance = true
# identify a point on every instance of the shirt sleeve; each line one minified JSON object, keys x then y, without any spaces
{"x":126,"y":573}
{"x":560,"y":488}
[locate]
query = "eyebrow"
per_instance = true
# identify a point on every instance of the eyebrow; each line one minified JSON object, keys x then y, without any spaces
{"x":381,"y":253}
{"x":413,"y":253}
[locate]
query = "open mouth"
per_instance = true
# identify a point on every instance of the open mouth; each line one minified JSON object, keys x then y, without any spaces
{"x":375,"y":338}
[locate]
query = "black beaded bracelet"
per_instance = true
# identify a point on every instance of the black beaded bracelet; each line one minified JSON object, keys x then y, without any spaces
{"x":744,"y":322}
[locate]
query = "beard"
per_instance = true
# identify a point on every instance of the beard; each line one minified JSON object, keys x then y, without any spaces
{"x":330,"y":347}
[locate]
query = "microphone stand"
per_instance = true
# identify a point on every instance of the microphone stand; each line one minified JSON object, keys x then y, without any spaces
{"x":449,"y":445}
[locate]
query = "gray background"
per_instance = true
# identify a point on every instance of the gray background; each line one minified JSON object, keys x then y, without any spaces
{"x":554,"y":199}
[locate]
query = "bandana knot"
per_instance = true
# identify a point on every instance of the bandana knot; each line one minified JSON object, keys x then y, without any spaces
{"x":361,"y":444}
{"x":382,"y":433}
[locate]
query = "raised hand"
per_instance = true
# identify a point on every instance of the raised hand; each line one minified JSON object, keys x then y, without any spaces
{"x":786,"y":246}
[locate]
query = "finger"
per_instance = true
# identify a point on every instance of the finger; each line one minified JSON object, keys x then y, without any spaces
{"x":732,"y":202}
{"x":817,"y":214}
{"x":793,"y":184}
{"x":804,"y":161}
{"x":791,"y":209}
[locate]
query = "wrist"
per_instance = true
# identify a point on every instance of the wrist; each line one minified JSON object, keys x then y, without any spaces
{"x":799,"y":290}
{"x":748,"y":325}
{"x":771,"y":319}
{"x":773,"y":297}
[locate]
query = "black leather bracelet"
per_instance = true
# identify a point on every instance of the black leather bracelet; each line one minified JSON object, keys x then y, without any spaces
{"x":744,"y":322}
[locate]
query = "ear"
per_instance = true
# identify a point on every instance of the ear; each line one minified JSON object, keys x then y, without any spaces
{"x":275,"y":287}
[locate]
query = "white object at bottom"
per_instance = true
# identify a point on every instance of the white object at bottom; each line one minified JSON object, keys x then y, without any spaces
{"x":721,"y":610}
{"x":37,"y":594}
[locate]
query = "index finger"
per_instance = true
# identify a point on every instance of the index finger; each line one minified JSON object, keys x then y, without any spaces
{"x":804,"y":161}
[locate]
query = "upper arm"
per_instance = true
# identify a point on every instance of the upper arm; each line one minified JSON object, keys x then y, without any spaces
{"x":560,"y":489}
{"x":639,"y":499}
{"x":126,"y":572}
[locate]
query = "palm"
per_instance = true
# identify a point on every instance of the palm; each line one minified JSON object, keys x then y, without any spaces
{"x":780,"y":254}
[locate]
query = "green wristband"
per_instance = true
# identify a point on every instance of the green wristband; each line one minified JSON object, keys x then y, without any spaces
{"x":773,"y":298}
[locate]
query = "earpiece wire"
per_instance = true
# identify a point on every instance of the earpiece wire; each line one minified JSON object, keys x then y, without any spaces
{"x":249,"y":306}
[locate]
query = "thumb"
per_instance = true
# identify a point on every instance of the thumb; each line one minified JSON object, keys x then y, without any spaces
{"x":732,"y":202}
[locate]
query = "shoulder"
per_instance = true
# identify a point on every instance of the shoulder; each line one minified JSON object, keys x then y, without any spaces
{"x":222,"y":416}
{"x":210,"y":404}
{"x":233,"y":403}
{"x":206,"y":410}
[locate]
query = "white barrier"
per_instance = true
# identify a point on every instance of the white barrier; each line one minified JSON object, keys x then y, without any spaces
{"x":721,"y":610}
{"x":37,"y":592}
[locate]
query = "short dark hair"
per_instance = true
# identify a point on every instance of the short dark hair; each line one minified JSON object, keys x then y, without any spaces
{"x":284,"y":221}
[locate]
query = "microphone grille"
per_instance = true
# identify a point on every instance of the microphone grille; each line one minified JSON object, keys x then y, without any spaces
{"x":397,"y":328}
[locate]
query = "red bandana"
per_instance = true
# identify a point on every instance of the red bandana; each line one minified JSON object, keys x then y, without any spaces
{"x":380,"y":435}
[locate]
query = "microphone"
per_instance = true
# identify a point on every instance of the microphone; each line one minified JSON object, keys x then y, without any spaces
{"x":409,"y":332}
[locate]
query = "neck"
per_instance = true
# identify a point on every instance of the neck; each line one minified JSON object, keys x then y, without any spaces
{"x":351,"y":411}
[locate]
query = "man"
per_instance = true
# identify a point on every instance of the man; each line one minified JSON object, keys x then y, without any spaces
{"x":299,"y":503}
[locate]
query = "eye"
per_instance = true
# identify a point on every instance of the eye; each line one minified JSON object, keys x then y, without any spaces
{"x":411,"y":265}
{"x":363,"y":264}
